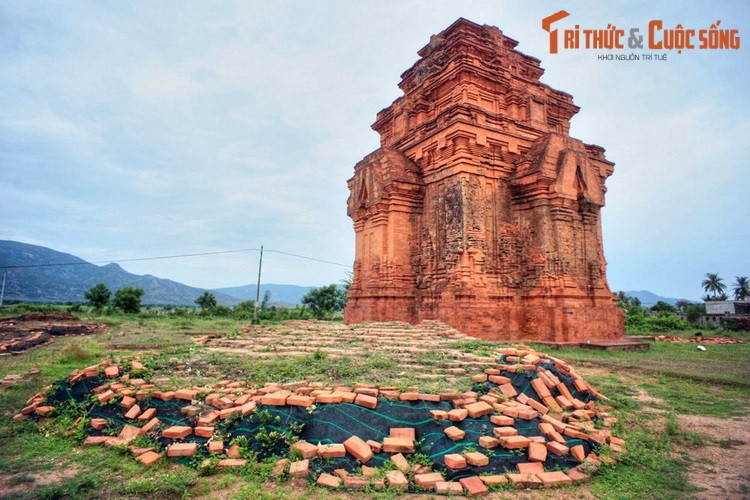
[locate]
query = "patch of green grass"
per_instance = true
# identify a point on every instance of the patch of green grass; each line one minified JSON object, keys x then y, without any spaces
{"x":720,"y":364}
{"x":167,"y":485}
{"x":691,"y":398}
{"x":471,"y":346}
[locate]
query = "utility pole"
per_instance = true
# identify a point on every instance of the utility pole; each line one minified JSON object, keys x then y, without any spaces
{"x":2,"y":292}
{"x":257,"y":288}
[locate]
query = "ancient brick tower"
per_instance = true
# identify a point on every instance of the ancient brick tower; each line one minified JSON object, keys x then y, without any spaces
{"x":479,"y":209}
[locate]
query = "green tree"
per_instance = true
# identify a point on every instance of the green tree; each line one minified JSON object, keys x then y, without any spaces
{"x":128,"y":299}
{"x":324,"y":300}
{"x":714,"y":286}
{"x":244,"y":309}
{"x":346,"y":284}
{"x":98,"y":296}
{"x":266,"y":299}
{"x":741,"y":288}
{"x":207,"y":301}
{"x":662,"y":307}
{"x":681,"y":304}
{"x":694,"y":312}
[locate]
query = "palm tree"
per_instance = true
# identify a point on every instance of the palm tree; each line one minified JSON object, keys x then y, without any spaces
{"x":714,"y":285}
{"x":681,"y":304}
{"x":741,"y":288}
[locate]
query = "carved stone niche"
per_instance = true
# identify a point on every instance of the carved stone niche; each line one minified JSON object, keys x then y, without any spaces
{"x":479,"y":209}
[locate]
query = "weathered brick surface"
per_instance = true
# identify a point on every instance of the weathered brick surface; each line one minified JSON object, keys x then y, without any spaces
{"x":147,"y":414}
{"x":403,"y":432}
{"x":400,"y":462}
{"x":370,"y":402}
{"x":454,"y":461}
{"x":182,"y":449}
{"x":537,"y":452}
{"x":205,"y":432}
{"x":476,"y":459}
{"x":150,"y":425}
{"x":133,"y":412}
{"x":524,"y":480}
{"x":300,"y":468}
{"x":478,"y":409}
{"x":336,"y":450}
{"x":307,"y":450}
{"x":358,"y":449}
{"x":328,"y":480}
{"x":444,"y":209}
{"x":578,"y":452}
{"x":474,"y":486}
{"x":129,"y":433}
{"x":397,"y":480}
{"x":177,"y":432}
{"x":555,"y":478}
{"x":427,"y":481}
{"x":454,"y":433}
{"x":448,"y":488}
{"x":149,"y":458}
{"x":232,"y":462}
{"x":398,"y":445}
{"x":98,"y":423}
{"x":494,"y":480}
{"x":514,"y":442}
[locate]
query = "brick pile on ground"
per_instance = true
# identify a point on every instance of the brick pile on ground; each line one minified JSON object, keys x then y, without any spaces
{"x":530,"y":420}
{"x":414,"y":345}
{"x":20,"y":333}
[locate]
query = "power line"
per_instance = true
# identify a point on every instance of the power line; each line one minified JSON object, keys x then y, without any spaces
{"x":179,"y":256}
{"x":310,"y":258}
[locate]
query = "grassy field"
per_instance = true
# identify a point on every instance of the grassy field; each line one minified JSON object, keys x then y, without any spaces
{"x":647,"y":389}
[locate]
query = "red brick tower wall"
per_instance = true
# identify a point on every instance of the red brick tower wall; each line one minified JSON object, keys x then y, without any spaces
{"x":479,"y":209}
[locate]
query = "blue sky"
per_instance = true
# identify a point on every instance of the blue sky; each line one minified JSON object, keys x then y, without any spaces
{"x":137,"y":129}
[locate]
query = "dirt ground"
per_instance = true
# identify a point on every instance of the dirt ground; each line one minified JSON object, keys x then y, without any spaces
{"x":20,"y":333}
{"x":720,"y":468}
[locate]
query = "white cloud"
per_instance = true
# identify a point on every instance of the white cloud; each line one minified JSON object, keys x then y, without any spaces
{"x":180,"y":127}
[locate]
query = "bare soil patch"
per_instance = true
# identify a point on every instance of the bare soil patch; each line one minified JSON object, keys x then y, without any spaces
{"x":721,"y":467}
{"x":17,"y":484}
{"x":21,"y":333}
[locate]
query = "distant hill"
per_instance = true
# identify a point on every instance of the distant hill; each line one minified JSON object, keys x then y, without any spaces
{"x":648,"y":299}
{"x":71,"y":277}
{"x":282,"y":295}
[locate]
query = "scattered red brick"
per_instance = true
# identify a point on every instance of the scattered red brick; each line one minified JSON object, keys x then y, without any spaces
{"x":454,"y":461}
{"x":448,"y":488}
{"x":300,"y":468}
{"x":182,"y":449}
{"x":370,"y":402}
{"x":177,"y":432}
{"x":398,"y":445}
{"x":476,"y":459}
{"x":328,"y":480}
{"x":149,"y":458}
{"x":335,"y":450}
{"x":307,"y":450}
{"x":474,"y":486}
{"x":359,"y":449}
{"x":428,"y":481}
{"x":397,"y":480}
{"x":555,"y":478}
{"x":232,"y":462}
{"x":454,"y":433}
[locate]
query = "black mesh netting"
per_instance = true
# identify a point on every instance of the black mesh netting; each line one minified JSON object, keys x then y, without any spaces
{"x":334,"y":423}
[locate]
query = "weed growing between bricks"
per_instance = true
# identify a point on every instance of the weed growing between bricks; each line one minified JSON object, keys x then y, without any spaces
{"x":529,"y":421}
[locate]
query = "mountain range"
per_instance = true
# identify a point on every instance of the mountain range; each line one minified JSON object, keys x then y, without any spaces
{"x":40,"y":274}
